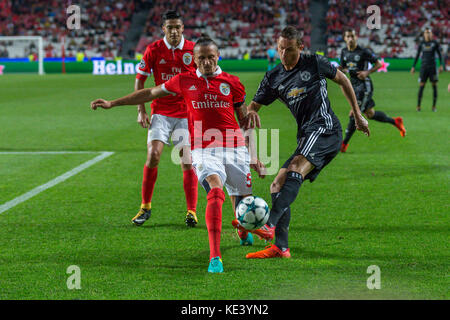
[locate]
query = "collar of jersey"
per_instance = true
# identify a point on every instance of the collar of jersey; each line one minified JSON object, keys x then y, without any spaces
{"x":216,"y":73}
{"x":169,"y":46}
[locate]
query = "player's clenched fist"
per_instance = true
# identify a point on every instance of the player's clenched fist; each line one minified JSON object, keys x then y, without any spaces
{"x":101,"y":103}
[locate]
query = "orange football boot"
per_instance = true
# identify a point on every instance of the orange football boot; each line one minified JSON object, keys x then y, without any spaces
{"x":400,"y":126}
{"x":344,"y":147}
{"x":271,"y":251}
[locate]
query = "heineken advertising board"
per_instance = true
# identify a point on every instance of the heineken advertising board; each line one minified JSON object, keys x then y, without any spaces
{"x":127,"y":67}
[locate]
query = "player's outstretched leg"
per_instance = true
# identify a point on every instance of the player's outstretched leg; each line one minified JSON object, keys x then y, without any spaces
{"x":281,"y":202}
{"x":284,"y":198}
{"x":213,"y":217}
{"x":282,"y":231}
{"x":380,"y":116}
{"x":281,"y":247}
{"x":351,"y":128}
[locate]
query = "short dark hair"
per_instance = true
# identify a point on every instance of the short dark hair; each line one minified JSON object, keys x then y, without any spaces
{"x":351,"y":30}
{"x":290,"y":33}
{"x":205,"y":40}
{"x":170,"y":15}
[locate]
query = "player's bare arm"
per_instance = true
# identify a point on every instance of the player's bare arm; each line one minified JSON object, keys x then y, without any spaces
{"x":252,"y":118}
{"x":364,"y":74}
{"x":241,"y":114}
{"x":360,"y":122}
{"x":419,"y":51}
{"x":142,"y":118}
{"x":341,"y":68}
{"x":135,"y":98}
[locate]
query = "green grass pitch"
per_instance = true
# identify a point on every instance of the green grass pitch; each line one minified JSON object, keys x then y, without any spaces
{"x":385,"y":202}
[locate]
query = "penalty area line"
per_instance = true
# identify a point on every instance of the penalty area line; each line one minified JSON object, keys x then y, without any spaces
{"x":24,"y":197}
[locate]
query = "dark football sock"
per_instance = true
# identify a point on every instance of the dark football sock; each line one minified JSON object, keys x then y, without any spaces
{"x":282,"y":230}
{"x":435,"y":94}
{"x":382,"y":117}
{"x":419,"y":98}
{"x":287,"y":195}
{"x":351,"y":128}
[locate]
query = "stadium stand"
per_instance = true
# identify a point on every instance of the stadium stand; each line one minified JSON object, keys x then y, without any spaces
{"x":240,"y":27}
{"x":402,"y":22}
{"x":104,"y":25}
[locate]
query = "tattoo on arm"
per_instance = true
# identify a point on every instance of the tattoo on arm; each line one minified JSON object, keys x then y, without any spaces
{"x":241,"y":113}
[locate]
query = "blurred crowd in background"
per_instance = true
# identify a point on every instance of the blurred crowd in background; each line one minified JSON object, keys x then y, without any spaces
{"x":243,"y":29}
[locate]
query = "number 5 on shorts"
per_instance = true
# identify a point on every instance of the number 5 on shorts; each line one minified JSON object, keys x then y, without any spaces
{"x":249,"y":180}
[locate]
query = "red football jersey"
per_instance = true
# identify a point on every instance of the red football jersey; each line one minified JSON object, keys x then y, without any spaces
{"x":165,"y":62}
{"x":210,"y":106}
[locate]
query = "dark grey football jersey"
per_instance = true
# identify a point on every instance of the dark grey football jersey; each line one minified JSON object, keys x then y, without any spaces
{"x":303,"y":90}
{"x":428,"y":51}
{"x":357,"y":60}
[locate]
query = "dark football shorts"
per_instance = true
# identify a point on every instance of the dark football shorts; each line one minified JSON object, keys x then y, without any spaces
{"x":364,"y":94}
{"x":428,"y":73}
{"x":318,"y":146}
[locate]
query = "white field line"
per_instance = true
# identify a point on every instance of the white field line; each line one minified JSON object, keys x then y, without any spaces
{"x":24,"y":197}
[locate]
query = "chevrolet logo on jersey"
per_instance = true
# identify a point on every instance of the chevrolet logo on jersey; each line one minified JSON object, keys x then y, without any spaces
{"x":296,"y":92}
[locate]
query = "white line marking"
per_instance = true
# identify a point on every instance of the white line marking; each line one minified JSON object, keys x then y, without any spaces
{"x":24,"y":197}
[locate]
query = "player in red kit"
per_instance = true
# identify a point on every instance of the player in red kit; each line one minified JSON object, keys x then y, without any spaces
{"x":166,"y":58}
{"x":219,"y":154}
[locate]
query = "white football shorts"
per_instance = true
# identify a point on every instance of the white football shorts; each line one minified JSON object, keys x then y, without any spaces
{"x":232,"y":165}
{"x":165,"y":128}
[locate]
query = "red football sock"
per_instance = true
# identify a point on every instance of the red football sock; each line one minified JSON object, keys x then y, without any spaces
{"x":213,"y":218}
{"x":148,"y":183}
{"x":190,"y":185}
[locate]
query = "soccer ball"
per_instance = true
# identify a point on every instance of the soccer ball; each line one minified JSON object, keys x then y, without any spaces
{"x":252,"y":212}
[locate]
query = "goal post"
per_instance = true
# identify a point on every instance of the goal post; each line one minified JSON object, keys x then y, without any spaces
{"x":40,"y":47}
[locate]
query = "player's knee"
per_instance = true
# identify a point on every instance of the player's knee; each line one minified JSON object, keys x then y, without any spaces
{"x":153,"y":157}
{"x":301,"y":165}
{"x":186,"y":160}
{"x":213,"y":181}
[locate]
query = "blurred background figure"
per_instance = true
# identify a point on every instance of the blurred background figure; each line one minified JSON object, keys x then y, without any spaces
{"x":271,"y":57}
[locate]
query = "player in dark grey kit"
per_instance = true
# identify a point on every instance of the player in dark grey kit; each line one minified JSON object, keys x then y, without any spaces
{"x":428,"y":49}
{"x":355,"y":60}
{"x":300,"y":83}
